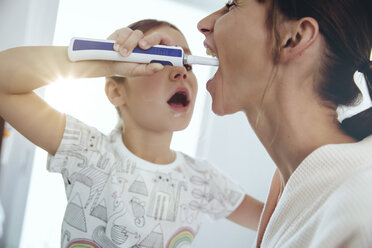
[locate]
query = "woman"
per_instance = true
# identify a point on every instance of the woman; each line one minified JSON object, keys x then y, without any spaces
{"x":288,"y":65}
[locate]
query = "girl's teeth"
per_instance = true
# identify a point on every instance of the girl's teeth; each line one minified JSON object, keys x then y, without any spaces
{"x":209,"y":52}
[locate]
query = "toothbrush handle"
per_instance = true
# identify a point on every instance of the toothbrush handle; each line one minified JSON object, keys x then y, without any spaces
{"x":94,"y":49}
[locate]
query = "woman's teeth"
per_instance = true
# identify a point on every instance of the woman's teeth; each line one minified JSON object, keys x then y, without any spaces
{"x":211,"y":53}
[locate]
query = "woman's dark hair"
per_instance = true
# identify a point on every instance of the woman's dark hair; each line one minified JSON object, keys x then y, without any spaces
{"x":145,"y":26}
{"x":346,"y":26}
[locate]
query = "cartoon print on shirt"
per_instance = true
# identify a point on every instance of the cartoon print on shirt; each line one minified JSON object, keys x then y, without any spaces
{"x":139,"y":186}
{"x":72,"y":158}
{"x":75,"y":215}
{"x":187,"y":215}
{"x":94,"y":179}
{"x":220,"y":194}
{"x":66,"y":237}
{"x":99,"y":236}
{"x":125,"y":165}
{"x":119,"y":233}
{"x":116,"y":233}
{"x":154,"y":239}
{"x":138,"y":209}
{"x":99,"y":206}
{"x":181,"y":238}
{"x":212,"y":194}
{"x":164,"y":199}
{"x":81,"y":140}
{"x":100,"y":211}
{"x":116,"y":201}
{"x":195,"y":166}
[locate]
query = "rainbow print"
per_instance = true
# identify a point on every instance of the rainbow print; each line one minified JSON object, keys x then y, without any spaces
{"x":82,"y":243}
{"x":182,"y":238}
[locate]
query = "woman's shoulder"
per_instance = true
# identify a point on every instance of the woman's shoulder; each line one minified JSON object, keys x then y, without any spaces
{"x":346,"y":217}
{"x":351,"y":201}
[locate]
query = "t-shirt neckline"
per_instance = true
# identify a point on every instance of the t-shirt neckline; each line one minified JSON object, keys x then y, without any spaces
{"x":124,"y":152}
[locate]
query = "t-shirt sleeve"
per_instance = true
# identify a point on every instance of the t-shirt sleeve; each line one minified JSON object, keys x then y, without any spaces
{"x":76,"y":149}
{"x":224,"y":194}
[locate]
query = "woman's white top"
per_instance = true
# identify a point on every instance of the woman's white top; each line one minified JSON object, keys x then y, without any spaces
{"x":327,"y":201}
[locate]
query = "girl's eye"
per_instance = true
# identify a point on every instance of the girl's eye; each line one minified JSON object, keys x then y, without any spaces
{"x":188,"y":67}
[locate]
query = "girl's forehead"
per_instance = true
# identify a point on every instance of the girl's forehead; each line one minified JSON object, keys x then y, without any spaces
{"x":177,"y":38}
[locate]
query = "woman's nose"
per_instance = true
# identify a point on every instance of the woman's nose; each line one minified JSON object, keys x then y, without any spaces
{"x":178,"y":73}
{"x":205,"y":26}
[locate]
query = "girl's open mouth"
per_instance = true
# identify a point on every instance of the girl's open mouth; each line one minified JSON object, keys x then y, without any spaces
{"x":179,"y":101}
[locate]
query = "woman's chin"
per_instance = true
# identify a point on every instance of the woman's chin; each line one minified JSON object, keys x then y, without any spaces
{"x":217,"y":108}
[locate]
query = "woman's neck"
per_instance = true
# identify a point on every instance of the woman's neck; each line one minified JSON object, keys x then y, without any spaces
{"x":150,"y":146}
{"x":291,"y":126}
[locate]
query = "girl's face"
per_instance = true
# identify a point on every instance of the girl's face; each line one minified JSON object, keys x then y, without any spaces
{"x":237,"y":34}
{"x":164,"y":101}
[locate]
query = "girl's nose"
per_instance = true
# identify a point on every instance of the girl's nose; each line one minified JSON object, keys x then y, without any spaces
{"x":178,"y":73}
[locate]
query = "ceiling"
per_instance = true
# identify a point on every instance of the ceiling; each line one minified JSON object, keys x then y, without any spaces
{"x":207,"y":5}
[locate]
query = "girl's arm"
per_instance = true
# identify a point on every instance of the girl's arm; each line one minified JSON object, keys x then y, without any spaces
{"x":24,"y":69}
{"x":248,"y":213}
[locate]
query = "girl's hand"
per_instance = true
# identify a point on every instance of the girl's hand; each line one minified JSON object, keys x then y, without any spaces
{"x":126,"y":40}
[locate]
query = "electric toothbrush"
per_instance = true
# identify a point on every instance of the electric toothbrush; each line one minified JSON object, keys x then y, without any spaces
{"x":95,"y":49}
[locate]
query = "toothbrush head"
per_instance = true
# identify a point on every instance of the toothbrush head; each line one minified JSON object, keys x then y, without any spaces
{"x":191,"y":59}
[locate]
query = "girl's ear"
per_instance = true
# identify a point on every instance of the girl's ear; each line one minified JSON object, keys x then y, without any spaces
{"x":300,"y":35}
{"x":115,"y":92}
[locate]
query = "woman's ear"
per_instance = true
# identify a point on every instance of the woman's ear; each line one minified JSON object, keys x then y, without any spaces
{"x":300,"y":35}
{"x":115,"y":92}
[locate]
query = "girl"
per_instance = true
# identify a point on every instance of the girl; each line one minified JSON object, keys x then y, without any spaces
{"x":127,"y":189}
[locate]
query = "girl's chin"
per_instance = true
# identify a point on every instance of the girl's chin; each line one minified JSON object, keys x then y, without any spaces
{"x":180,"y":123}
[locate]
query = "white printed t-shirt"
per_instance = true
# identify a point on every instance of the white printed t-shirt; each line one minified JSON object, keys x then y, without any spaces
{"x":116,"y":199}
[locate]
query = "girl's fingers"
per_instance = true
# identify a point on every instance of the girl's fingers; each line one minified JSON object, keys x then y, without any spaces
{"x":146,"y":69}
{"x":153,"y":39}
{"x":120,"y":36}
{"x":126,"y":40}
{"x":131,"y":42}
{"x":125,"y":69}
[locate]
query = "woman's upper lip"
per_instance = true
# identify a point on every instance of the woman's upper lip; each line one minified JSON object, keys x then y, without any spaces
{"x":210,"y":47}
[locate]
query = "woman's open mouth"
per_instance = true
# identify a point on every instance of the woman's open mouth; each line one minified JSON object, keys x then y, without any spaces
{"x":180,"y":100}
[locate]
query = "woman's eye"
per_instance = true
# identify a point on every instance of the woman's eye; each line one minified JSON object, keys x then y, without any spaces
{"x":188,"y":67}
{"x":230,"y":5}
